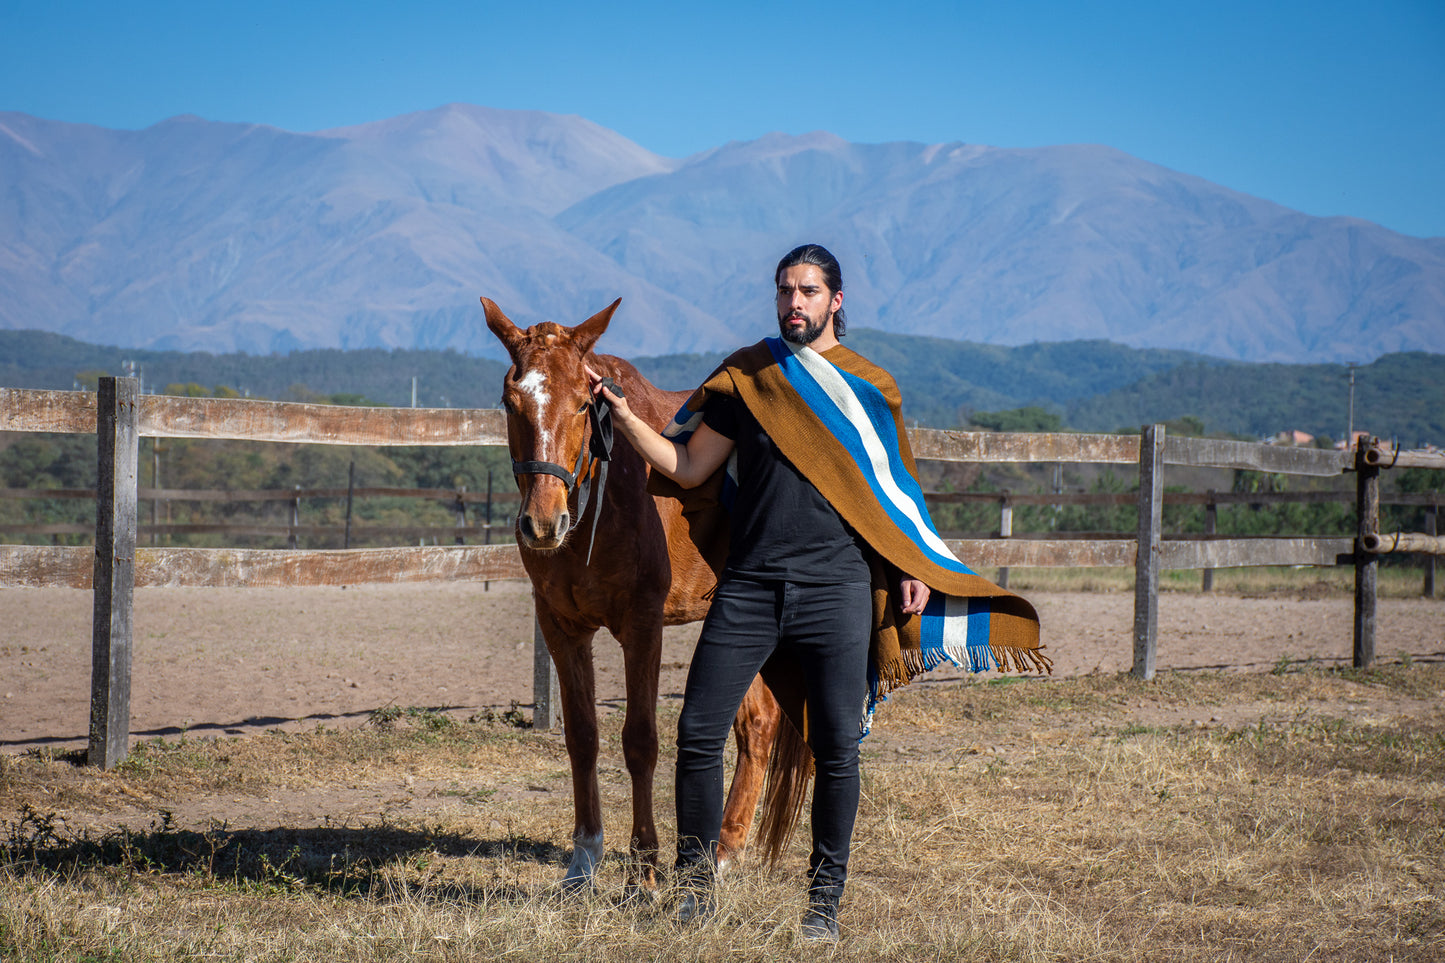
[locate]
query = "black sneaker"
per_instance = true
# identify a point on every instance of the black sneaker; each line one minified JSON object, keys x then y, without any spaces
{"x":820,"y":923}
{"x":696,"y":906}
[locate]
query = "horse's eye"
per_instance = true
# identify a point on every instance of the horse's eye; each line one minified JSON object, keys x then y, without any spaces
{"x":583,"y":409}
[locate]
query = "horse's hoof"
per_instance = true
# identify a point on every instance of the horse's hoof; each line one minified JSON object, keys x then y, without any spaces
{"x":578,"y":886}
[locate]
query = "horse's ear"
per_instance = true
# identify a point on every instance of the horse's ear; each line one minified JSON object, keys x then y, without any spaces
{"x":585,"y":335}
{"x":502,"y":326}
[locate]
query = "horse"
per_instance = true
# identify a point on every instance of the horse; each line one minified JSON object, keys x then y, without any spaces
{"x":634,"y":572}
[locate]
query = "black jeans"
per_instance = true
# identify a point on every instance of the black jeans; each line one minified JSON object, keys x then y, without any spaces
{"x":826,"y":628}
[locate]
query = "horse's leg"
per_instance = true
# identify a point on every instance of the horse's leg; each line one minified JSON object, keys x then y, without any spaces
{"x":753,"y":729}
{"x":641,"y":639}
{"x":571,"y":648}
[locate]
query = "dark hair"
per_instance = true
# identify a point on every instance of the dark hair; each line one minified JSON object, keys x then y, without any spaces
{"x":818,"y":256}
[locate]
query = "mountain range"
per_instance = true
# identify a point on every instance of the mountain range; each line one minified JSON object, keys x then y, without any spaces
{"x":1089,"y":385}
{"x":193,"y":235}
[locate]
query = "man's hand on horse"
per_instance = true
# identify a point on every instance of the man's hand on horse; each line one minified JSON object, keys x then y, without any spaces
{"x":615,"y":397}
{"x":914,"y":595}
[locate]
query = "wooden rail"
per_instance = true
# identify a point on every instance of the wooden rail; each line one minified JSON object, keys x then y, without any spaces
{"x":70,"y":566}
{"x":1386,"y":542}
{"x":115,"y":566}
{"x":161,"y":416}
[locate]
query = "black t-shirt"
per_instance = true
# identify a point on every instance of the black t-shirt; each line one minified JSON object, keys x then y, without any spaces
{"x":782,"y":527}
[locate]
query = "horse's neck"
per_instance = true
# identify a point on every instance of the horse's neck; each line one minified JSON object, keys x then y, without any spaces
{"x":649,"y":402}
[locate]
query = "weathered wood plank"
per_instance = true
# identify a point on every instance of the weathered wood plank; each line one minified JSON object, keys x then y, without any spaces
{"x":42,"y":566}
{"x":546,"y":687}
{"x":163,"y":416}
{"x":1152,"y":443}
{"x":1367,"y":566}
{"x":1257,"y":498}
{"x":1383,"y":543}
{"x":1388,"y":457}
{"x":997,"y":446}
{"x":1032,"y":498}
{"x":1042,"y":553}
{"x":287,"y":494}
{"x":1211,"y":519}
{"x":1247,"y":552}
{"x":1427,"y":587}
{"x":1222,"y":453}
{"x":118,"y":466}
{"x":71,"y":566}
{"x":356,"y":566}
{"x":357,"y":531}
{"x":29,"y":409}
{"x":1005,"y":529}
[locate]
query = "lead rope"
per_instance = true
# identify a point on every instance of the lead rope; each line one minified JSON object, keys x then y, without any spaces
{"x":599,"y":445}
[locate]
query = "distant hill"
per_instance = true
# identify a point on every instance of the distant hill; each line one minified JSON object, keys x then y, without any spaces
{"x":193,"y":235}
{"x":38,"y":359}
{"x":1094,"y":385}
{"x":1400,"y":396}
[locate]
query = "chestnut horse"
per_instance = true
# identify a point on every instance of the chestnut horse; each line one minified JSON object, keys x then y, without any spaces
{"x":643,"y":573}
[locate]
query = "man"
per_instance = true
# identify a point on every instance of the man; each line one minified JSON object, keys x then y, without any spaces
{"x":829,"y":565}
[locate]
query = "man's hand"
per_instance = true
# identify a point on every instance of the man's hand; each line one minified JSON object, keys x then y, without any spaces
{"x":914,"y":596}
{"x":689,"y":465}
{"x":620,"y":410}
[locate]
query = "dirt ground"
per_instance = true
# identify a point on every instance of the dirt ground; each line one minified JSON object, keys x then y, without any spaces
{"x":237,"y":661}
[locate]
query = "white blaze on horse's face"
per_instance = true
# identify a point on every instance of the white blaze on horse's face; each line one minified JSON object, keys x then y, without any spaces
{"x":534,"y":384}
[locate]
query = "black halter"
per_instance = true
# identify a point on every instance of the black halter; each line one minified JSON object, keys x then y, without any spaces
{"x":599,"y":445}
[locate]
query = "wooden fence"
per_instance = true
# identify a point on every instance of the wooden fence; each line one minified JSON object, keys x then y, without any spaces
{"x":119,"y":417}
{"x":483,"y":503}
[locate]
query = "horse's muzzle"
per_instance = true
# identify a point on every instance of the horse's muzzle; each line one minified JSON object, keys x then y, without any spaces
{"x":543,"y":537}
{"x":544,"y":519}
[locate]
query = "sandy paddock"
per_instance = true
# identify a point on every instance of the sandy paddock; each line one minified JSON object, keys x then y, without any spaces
{"x":238,"y":661}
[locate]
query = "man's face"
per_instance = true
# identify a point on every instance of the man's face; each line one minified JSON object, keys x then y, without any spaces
{"x":805,"y":305}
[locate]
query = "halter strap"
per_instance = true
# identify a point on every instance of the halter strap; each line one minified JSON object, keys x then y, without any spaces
{"x":569,"y":478}
{"x":599,"y":446}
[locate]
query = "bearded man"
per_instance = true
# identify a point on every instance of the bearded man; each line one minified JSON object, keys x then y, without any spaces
{"x":834,"y":575}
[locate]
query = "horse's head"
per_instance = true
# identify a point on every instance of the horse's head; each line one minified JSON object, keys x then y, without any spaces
{"x":546,"y":398}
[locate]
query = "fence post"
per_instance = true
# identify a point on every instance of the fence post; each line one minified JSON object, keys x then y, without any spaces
{"x":350,"y":497}
{"x":1211,"y":515}
{"x":1367,"y":508}
{"x":1146,"y":562}
{"x":487,"y":527}
{"x":295,"y":518}
{"x":546,"y":691}
{"x":1005,"y":529}
{"x":156,"y":484}
{"x":461,"y":515}
{"x":113,"y":585}
{"x":1431,"y":512}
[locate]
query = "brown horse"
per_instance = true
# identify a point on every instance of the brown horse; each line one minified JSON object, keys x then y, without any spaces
{"x":643,"y":573}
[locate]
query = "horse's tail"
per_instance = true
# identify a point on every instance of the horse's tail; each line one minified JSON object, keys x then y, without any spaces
{"x":789,"y":771}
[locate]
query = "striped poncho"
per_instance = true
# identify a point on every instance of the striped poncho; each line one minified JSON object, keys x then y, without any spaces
{"x":837,"y":418}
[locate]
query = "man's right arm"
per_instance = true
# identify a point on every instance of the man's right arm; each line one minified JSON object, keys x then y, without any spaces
{"x":689,"y":465}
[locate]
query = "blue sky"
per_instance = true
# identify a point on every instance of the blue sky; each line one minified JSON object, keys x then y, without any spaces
{"x":1327,"y":107}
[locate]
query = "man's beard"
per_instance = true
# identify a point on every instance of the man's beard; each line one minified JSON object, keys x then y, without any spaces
{"x":809,"y":333}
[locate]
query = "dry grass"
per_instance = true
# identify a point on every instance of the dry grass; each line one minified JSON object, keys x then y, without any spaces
{"x":1079,"y":819}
